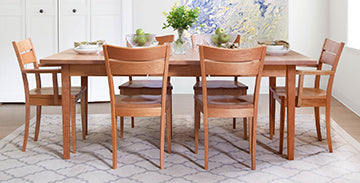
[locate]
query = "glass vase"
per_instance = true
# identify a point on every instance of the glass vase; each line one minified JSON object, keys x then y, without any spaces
{"x":180,"y":46}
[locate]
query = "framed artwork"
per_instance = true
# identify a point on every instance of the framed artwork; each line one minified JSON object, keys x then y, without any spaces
{"x":253,"y":19}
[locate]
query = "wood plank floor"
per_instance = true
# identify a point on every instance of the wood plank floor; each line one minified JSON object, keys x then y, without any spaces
{"x":13,"y":115}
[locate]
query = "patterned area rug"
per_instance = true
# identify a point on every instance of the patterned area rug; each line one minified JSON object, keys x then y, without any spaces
{"x":138,"y":154}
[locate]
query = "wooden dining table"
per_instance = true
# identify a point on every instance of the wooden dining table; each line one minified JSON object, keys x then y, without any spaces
{"x":187,"y":65}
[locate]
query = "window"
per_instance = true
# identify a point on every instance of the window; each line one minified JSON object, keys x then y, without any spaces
{"x":354,"y":24}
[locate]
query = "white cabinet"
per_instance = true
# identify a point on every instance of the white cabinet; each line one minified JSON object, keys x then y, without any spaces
{"x":41,"y":26}
{"x":106,"y":25}
{"x":53,"y":26}
{"x":74,"y":22}
{"x":12,"y":20}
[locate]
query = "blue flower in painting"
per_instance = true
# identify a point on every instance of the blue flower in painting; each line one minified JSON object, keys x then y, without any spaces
{"x":263,"y":7}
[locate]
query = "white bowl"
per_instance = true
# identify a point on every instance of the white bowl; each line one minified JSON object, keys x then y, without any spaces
{"x":208,"y":39}
{"x":275,"y":47}
{"x":86,"y":51}
{"x":88,"y":47}
{"x":277,"y":52}
{"x":130,"y":39}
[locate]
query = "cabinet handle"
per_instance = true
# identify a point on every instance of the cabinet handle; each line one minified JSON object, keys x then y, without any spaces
{"x":74,"y":10}
{"x":41,"y":11}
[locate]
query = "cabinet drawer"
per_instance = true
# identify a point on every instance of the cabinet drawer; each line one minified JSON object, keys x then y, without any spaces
{"x":42,"y":7}
{"x":73,"y":8}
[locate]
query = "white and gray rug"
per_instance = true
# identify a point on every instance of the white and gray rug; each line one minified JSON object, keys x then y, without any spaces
{"x":138,"y":154}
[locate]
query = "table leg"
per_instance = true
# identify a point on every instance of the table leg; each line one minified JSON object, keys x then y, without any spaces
{"x":65,"y":99}
{"x":272,"y":105}
{"x":290,"y":93}
{"x":84,"y":84}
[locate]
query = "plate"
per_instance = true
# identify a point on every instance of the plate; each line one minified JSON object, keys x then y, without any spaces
{"x":86,"y":51}
{"x":277,"y":52}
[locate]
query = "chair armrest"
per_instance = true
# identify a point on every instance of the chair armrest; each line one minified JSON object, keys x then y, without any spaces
{"x":314,"y":72}
{"x":41,"y":71}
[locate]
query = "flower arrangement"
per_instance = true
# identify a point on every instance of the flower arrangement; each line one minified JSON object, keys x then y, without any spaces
{"x":181,"y":18}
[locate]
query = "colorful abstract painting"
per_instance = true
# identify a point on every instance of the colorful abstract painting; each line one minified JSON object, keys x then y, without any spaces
{"x":252,"y":19}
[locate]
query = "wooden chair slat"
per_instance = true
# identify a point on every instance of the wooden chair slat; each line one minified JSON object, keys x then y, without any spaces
{"x":328,"y":58}
{"x":136,"y":54}
{"x":28,"y":57}
{"x":24,"y":45}
{"x":234,"y":55}
{"x":128,"y":68}
{"x":165,"y":39}
{"x":331,"y":46}
{"x":232,"y":68}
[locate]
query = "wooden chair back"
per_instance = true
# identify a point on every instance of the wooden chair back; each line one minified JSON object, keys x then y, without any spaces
{"x":232,"y":62}
{"x":330,"y":55}
{"x":197,"y":40}
{"x":121,"y":61}
{"x":165,"y":39}
{"x":25,"y":54}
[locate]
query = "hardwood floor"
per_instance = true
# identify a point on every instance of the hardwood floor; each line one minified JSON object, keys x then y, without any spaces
{"x":12,"y":115}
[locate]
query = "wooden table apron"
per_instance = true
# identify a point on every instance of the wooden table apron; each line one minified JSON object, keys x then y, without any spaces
{"x":187,"y":65}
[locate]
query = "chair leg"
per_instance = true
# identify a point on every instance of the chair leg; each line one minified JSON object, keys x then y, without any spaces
{"x":132,"y":122}
{"x":253,"y":143}
{"x":84,"y":116}
{"x":114,"y":139}
{"x":27,"y":123}
{"x":282,"y":126}
{"x":38,"y":118}
{"x":162,"y":139}
{"x":171,"y":114}
{"x":245,"y":128}
{"x":196,"y":127}
{"x":317,"y":122}
{"x":272,"y":105}
{"x":328,"y":128}
{"x":206,"y":141}
{"x":250,"y":135}
{"x":234,"y":123}
{"x":122,"y":126}
{"x":168,"y":126}
{"x":73,"y":123}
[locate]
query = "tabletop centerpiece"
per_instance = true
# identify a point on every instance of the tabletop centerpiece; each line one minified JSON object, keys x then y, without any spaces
{"x":181,"y":18}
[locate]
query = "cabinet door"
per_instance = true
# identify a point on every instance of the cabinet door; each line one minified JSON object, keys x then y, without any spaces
{"x":41,"y":23}
{"x":74,"y":25}
{"x":106,"y":24}
{"x":12,"y":20}
{"x":74,"y":22}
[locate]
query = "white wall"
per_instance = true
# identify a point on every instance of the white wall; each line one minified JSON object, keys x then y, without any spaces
{"x":308,"y":27}
{"x":346,"y":89}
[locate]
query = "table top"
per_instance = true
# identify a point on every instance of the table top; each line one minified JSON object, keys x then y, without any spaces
{"x":191,"y":57}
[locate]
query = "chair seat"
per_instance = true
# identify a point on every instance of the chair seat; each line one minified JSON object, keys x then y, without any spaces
{"x":227,"y":101}
{"x":222,"y":84}
{"x":144,"y":84}
{"x":143,"y":101}
{"x":139,"y":105}
{"x":308,"y":93}
{"x":50,"y":91}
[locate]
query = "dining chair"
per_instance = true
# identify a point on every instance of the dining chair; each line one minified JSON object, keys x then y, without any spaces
{"x":145,"y":87}
{"x":310,"y":96}
{"x":46,"y":96}
{"x":150,"y":61}
{"x":222,"y":87}
{"x":229,"y":62}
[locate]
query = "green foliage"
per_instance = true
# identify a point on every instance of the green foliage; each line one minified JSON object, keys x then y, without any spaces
{"x":181,"y":17}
